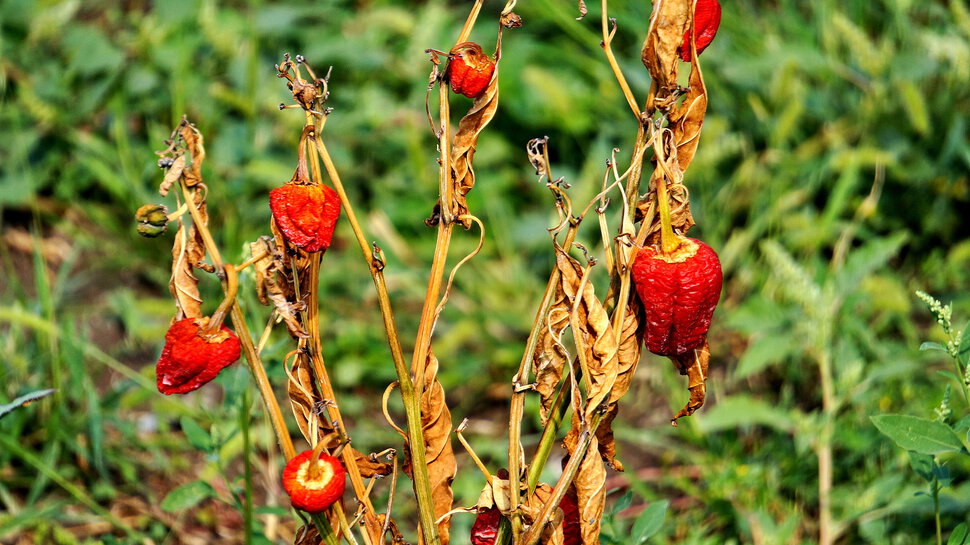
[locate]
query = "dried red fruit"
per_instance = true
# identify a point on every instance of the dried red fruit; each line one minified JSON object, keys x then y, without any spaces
{"x":306,"y":214}
{"x":571,"y":532}
{"x":679,"y":291}
{"x":485,"y":528}
{"x":469,"y":69}
{"x":192,"y":356}
{"x":314,"y":487}
{"x":707,"y":17}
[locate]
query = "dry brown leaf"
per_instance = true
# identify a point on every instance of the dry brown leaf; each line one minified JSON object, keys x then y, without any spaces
{"x":187,"y":250}
{"x":668,"y":23}
{"x":549,"y":358}
{"x":303,"y":397}
{"x":439,"y":456}
{"x":590,"y":484}
{"x":268,"y":289}
{"x":465,"y":139}
{"x":172,"y":175}
{"x":694,"y":365}
{"x":592,"y":326}
{"x":552,"y":534}
{"x":686,"y":120}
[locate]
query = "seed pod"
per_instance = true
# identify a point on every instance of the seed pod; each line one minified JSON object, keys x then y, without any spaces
{"x":193,"y":356}
{"x":152,"y":220}
{"x":469,"y":69}
{"x":679,"y":291}
{"x":314,"y":487}
{"x":707,"y":18}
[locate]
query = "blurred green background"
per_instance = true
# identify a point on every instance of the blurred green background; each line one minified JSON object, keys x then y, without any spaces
{"x":813,"y":107}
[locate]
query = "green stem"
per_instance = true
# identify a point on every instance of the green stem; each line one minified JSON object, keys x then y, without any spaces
{"x":936,"y":509}
{"x":247,"y":468}
{"x":324,"y":528}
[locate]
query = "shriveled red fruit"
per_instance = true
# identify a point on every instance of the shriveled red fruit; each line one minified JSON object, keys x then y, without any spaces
{"x":192,"y":357}
{"x":707,"y":17}
{"x":306,"y":214}
{"x":571,"y":533}
{"x":485,"y":528}
{"x":679,"y":292}
{"x":469,"y":69}
{"x":314,"y":487}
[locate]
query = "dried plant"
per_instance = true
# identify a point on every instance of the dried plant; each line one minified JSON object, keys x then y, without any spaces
{"x":583,"y":348}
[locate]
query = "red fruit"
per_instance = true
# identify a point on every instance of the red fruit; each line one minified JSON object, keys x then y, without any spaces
{"x":679,"y":292}
{"x":485,"y":528}
{"x":314,"y":488}
{"x":707,"y":17}
{"x":570,"y":520}
{"x":306,"y":214}
{"x":469,"y":69}
{"x":192,"y":357}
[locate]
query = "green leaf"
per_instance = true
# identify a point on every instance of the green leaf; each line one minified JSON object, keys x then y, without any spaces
{"x":623,"y":502}
{"x":918,"y":434}
{"x":867,"y":259}
{"x":23,"y":401}
{"x":929,"y":345}
{"x":963,"y":352}
{"x":959,"y":535}
{"x":198,"y":437}
{"x":769,"y":349}
{"x":922,"y":464}
{"x":742,"y":410}
{"x":650,"y":521}
{"x":187,"y":495}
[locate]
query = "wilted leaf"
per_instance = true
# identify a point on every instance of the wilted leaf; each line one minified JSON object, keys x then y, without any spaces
{"x":440,"y":458}
{"x":550,"y":355}
{"x":269,"y":291}
{"x":464,"y":141}
{"x":668,"y":23}
{"x":592,"y":327}
{"x":590,"y":485}
{"x":631,"y":340}
{"x":187,"y":250}
{"x":301,"y":393}
{"x":686,"y":120}
{"x":172,"y":175}
{"x":694,"y":365}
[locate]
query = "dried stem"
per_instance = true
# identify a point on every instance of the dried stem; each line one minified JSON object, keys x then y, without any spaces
{"x":608,"y":49}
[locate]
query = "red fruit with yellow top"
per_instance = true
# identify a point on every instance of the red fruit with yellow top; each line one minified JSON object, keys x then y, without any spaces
{"x":313,"y":487}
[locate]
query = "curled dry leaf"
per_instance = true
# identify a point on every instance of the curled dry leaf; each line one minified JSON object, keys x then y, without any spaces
{"x":687,"y":119}
{"x":464,"y":142}
{"x":592,"y":326}
{"x":269,"y":291}
{"x":552,"y":534}
{"x":694,"y":365}
{"x":668,"y":22}
{"x":590,"y":488}
{"x":631,"y":341}
{"x":582,"y":10}
{"x":172,"y":175}
{"x":436,"y":428}
{"x":187,"y":250}
{"x":550,"y":355}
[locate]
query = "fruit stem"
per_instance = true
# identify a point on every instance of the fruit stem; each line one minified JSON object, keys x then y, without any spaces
{"x":313,"y":472}
{"x":232,"y":287}
{"x":668,"y":241}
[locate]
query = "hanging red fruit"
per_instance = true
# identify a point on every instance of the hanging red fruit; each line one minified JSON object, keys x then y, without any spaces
{"x":314,"y":486}
{"x":193,"y":355}
{"x":707,"y":18}
{"x":305,"y":212}
{"x":469,"y":69}
{"x":485,"y":528}
{"x":679,"y":291}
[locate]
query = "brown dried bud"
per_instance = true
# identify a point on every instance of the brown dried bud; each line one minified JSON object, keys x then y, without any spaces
{"x":511,"y":20}
{"x":152,"y":220}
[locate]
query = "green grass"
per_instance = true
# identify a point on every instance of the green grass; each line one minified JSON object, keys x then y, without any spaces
{"x":811,"y":105}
